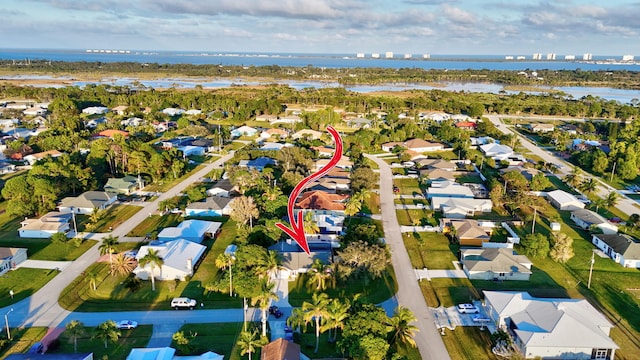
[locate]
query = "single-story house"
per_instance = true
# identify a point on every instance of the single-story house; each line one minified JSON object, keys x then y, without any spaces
{"x":481,"y":140}
{"x":562,"y":200}
{"x":51,"y":356}
{"x":587,"y":218}
{"x":466,"y":125}
{"x":11,"y":257}
{"x":307,"y":133}
{"x":243,"y":131}
{"x":457,"y":208}
{"x":541,"y":128}
{"x":47,"y":225}
{"x":331,"y":185}
{"x":180,"y":258}
{"x":7,"y":167}
{"x":359,"y":123}
{"x":258,"y":163}
{"x":120,"y":110}
{"x":86,"y":202}
{"x":495,"y":150}
{"x":173,"y":111}
{"x":274,"y":146}
{"x":324,"y":151}
{"x":417,"y":145}
{"x":168,"y":353}
{"x":125,"y":185}
{"x":34,"y":111}
{"x":192,"y":150}
{"x":449,"y":189}
{"x":93,"y":123}
{"x":495,"y":264}
{"x":111,"y":133}
{"x":211,"y":206}
{"x":95,"y":110}
{"x":468,"y":232}
{"x":344,"y":163}
{"x":192,"y":230}
{"x":275,"y":132}
{"x":206,"y":144}
{"x":295,"y":261}
{"x":266,"y":117}
{"x":33,"y":158}
{"x":289,"y":119}
{"x":437,"y":116}
{"x":320,"y":200}
{"x":222,"y":188}
{"x":132,"y":121}
{"x":622,"y":248}
{"x":193,"y":112}
{"x":551,"y":328}
{"x":425,"y":163}
{"x":280,"y":349}
{"x":437,"y":174}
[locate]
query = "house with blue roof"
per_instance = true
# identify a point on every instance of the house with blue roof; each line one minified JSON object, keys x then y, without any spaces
{"x":258,"y":164}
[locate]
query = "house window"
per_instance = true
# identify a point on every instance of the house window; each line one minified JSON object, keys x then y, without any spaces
{"x":501,"y":274}
{"x":601,"y":353}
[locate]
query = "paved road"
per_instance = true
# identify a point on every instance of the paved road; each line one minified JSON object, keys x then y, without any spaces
{"x":429,"y":340}
{"x":42,"y":309}
{"x":626,"y":204}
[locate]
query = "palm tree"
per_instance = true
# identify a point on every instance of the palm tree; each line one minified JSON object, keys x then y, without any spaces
{"x":320,"y":273}
{"x":263,"y":299}
{"x":316,"y":311}
{"x":106,"y":247}
{"x":75,"y":330}
{"x":573,"y":178}
{"x":352,"y":206}
{"x":107,"y":331}
{"x":93,"y":279}
{"x":612,"y":199}
{"x":122,"y":264}
{"x":402,"y":332}
{"x":269,"y":264}
{"x":598,"y":203}
{"x":588,"y":186}
{"x":223,"y":261}
{"x":310,"y":225}
{"x":248,"y":342}
{"x":153,"y":259}
{"x":296,"y":320}
{"x":337,"y":313}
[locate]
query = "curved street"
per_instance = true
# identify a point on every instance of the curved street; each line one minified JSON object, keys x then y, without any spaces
{"x":409,"y":295}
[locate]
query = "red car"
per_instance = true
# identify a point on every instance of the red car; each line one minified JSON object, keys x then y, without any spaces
{"x":396,"y":189}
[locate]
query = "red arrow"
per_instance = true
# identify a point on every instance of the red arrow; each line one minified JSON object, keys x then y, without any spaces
{"x":297,"y":225}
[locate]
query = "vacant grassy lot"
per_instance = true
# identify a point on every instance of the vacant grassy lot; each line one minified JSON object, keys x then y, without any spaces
{"x":372,"y":204}
{"x":155,"y":223}
{"x":468,"y":343}
{"x":22,"y":339}
{"x":114,"y":216}
{"x":9,"y":225}
{"x":412,"y":217}
{"x":129,"y":339}
{"x":163,"y":186}
{"x":112,"y":295}
{"x":24,"y":282}
{"x":408,"y":186}
{"x":44,"y":249}
{"x":430,"y":250}
{"x":221,"y":339}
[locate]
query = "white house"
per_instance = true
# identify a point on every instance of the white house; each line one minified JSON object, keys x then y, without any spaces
{"x":180,"y":258}
{"x":291,"y":119}
{"x":33,"y":158}
{"x":173,"y":111}
{"x":192,"y":230}
{"x":541,"y":128}
{"x":496,"y":151}
{"x":295,"y":261}
{"x":307,"y":133}
{"x":551,"y":328}
{"x":622,"y":248}
{"x":35,"y":111}
{"x":222,"y":188}
{"x":192,"y":150}
{"x":193,"y":112}
{"x":211,"y":206}
{"x":448,"y":189}
{"x":495,"y":264}
{"x":244,"y":131}
{"x":95,"y":110}
{"x":417,"y":145}
{"x":168,"y":353}
{"x":10,"y":258}
{"x":458,"y":208}
{"x":86,"y":202}
{"x":587,"y":218}
{"x":274,"y":146}
{"x":44,"y":227}
{"x":562,"y":200}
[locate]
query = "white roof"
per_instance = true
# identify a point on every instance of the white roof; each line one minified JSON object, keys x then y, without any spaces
{"x":445,"y":188}
{"x":190,"y":228}
{"x":495,"y":149}
{"x":449,"y":204}
{"x":165,"y":353}
{"x":563,"y":197}
{"x":546,"y":322}
{"x":175,"y":254}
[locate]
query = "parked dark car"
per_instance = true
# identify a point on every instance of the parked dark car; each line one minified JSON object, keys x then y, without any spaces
{"x":275,"y":311}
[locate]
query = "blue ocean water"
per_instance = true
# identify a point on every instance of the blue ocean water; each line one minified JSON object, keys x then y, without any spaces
{"x":452,"y":62}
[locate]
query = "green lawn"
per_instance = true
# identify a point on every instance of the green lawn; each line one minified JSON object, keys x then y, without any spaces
{"x":155,"y":223}
{"x":420,"y":216}
{"x":165,"y":185}
{"x":22,"y":339}
{"x":408,"y":186}
{"x":44,"y":249}
{"x":375,"y":292}
{"x":430,"y":250}
{"x":9,"y":225}
{"x":470,"y":178}
{"x":468,"y":343}
{"x":114,"y":216}
{"x":129,"y":339}
{"x":372,"y":204}
{"x":24,"y":282}
{"x":112,"y":295}
{"x":220,"y":338}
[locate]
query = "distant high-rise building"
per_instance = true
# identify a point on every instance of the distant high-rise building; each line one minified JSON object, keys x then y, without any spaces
{"x":360,"y":55}
{"x":426,"y":56}
{"x":521,"y":57}
{"x":569,"y":57}
{"x":408,"y":56}
{"x":375,"y":55}
{"x":627,"y":57}
{"x":537,"y":56}
{"x":508,"y":57}
{"x":587,"y":57}
{"x":388,"y":55}
{"x":551,"y":56}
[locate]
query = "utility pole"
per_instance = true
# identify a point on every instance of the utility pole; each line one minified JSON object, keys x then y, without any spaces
{"x":613,"y":171}
{"x":533,"y":226}
{"x":593,"y":260}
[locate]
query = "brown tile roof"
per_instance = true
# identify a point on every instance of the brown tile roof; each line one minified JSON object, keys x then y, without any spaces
{"x":320,"y":200}
{"x":280,"y":349}
{"x":111,"y":133}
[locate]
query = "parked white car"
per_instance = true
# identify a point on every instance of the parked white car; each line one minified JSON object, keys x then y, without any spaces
{"x":467,"y":309}
{"x":183,"y":303}
{"x":127,"y":324}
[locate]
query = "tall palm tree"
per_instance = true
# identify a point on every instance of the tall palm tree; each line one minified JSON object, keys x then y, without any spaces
{"x":352,"y":206}
{"x":223,"y":261}
{"x":402,"y":332}
{"x":263,"y":300}
{"x":310,"y":225}
{"x":93,"y":279}
{"x":122,"y":264}
{"x":598,"y":203}
{"x":588,"y":186}
{"x":269,"y":265}
{"x":316,"y":311}
{"x":152,"y":259}
{"x":612,"y":199}
{"x":75,"y":330}
{"x":107,"y":331}
{"x":320,"y":273}
{"x":337,"y":313}
{"x":573,"y":178}
{"x":296,"y":320}
{"x":249,"y":342}
{"x":106,"y":247}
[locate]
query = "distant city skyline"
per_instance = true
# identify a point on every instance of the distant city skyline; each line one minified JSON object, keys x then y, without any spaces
{"x":417,"y":27}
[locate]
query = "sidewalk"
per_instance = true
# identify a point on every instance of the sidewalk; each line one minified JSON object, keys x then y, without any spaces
{"x":44,"y":264}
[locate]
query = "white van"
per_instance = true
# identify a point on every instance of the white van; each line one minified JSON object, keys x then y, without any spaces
{"x":183,"y":303}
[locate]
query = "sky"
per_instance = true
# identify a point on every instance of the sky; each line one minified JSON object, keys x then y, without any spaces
{"x":475,"y":27}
